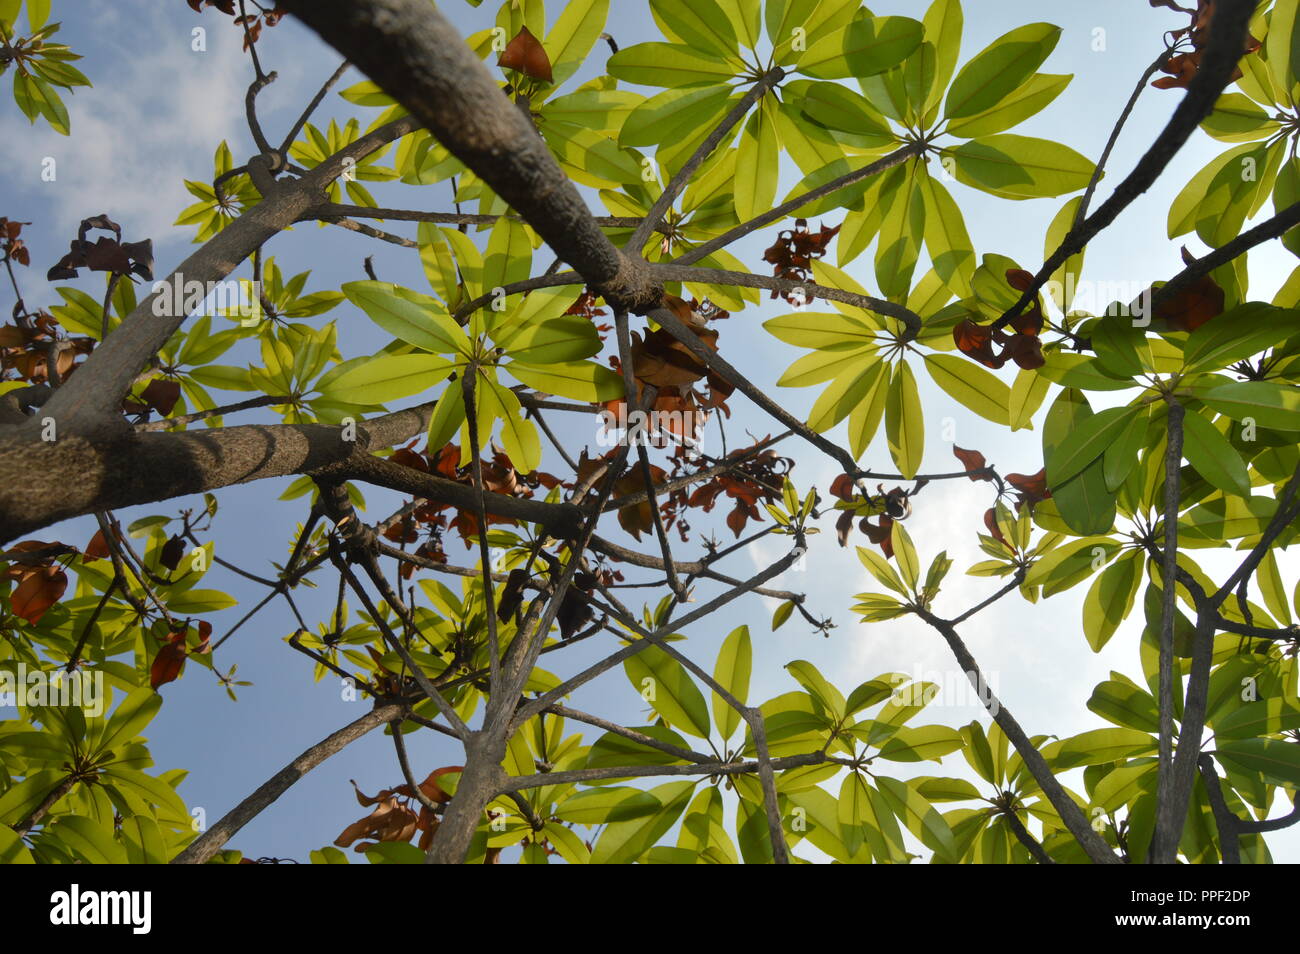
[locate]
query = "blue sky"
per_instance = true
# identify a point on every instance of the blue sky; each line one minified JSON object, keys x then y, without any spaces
{"x":156,"y":114}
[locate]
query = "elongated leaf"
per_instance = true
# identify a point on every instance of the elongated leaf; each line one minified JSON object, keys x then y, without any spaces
{"x":1265,"y":403}
{"x":580,"y":380}
{"x":429,"y":328}
{"x":1213,"y":457}
{"x":971,"y":386}
{"x":999,"y":69}
{"x":1019,"y":167}
{"x":732,"y":671}
{"x":387,"y":378}
{"x":905,"y":422}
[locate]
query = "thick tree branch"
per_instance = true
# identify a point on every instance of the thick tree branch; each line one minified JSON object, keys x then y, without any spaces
{"x":418,"y":58}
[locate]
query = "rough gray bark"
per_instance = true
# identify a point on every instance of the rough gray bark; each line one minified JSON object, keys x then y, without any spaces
{"x":96,"y":461}
{"x":418,"y":58}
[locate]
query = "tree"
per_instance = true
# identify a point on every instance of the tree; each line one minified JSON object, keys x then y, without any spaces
{"x":109,"y":404}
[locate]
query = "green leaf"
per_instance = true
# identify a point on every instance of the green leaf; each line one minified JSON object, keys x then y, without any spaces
{"x":669,"y":690}
{"x":570,"y":847}
{"x":865,"y":419}
{"x":1028,"y":100}
{"x":625,"y":841}
{"x":943,"y":23}
{"x":1098,"y":747}
{"x":921,"y":743}
{"x":997,"y":70}
{"x":430,"y":328}
{"x":869,"y":46}
{"x":131,"y":715}
{"x":509,"y":255}
{"x":673,"y":115}
{"x":827,"y":696}
{"x":1237,"y":119}
{"x":901,"y":232}
{"x":781,"y":614}
{"x":1213,"y":457}
{"x":1087,"y":443}
{"x":1121,"y":347}
{"x":848,"y":391}
{"x":1191,"y":206}
{"x":667,"y":64}
{"x":946,"y":238}
{"x":554,"y":341}
{"x":12,"y":849}
{"x":837,"y":107}
{"x":971,"y":386}
{"x":1271,"y":586}
{"x":1265,"y":717}
{"x":1110,"y":599}
{"x":1122,"y":456}
{"x":38,"y":13}
{"x":87,"y":839}
{"x":1019,"y":167}
{"x":447,"y":417}
{"x":612,"y":750}
{"x":700,"y":24}
{"x":1282,"y":45}
{"x":598,"y":806}
{"x":21,"y":798}
{"x":575,"y":32}
{"x":732,"y":671}
{"x":905,"y":555}
{"x":386,"y":378}
{"x":758,"y":159}
{"x":920,"y":817}
{"x":200,"y":601}
{"x":580,"y":380}
{"x":1064,"y":281}
{"x":519,"y":437}
{"x":881,"y":569}
{"x":1277,"y":761}
{"x":808,"y":329}
{"x":1084,"y":504}
{"x":1265,"y":403}
{"x":1121,"y":702}
{"x":905,"y":422}
{"x":1239,"y":333}
{"x":35,"y":96}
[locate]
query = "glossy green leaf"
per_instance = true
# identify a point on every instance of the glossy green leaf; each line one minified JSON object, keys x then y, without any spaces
{"x":997,"y":70}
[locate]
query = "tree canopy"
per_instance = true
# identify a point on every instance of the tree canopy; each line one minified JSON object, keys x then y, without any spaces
{"x":585,"y":270}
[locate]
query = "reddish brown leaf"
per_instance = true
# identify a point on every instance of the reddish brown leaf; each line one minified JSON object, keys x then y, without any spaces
{"x":1032,"y":487}
{"x":976,"y":341}
{"x":526,"y":55}
{"x":737,"y":519}
{"x":1193,"y":306}
{"x":39,"y":589}
{"x":843,"y":526}
{"x":972,"y":460}
{"x":1019,"y":279}
{"x":161,"y":394}
{"x":844,"y":487}
{"x":97,"y":548}
{"x":432,"y":790}
{"x":168,"y":663}
{"x":1026,"y":350}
